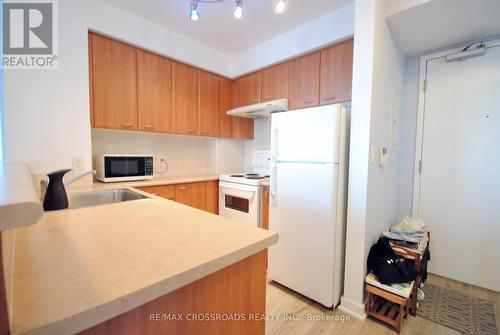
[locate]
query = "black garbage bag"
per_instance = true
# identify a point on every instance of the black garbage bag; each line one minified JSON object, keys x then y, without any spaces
{"x":388,"y":266}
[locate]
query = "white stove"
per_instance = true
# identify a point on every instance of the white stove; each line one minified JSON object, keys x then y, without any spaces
{"x":255,"y":179}
{"x":240,"y":197}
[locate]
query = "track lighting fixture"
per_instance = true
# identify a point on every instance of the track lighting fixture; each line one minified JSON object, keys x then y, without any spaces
{"x":193,"y":10}
{"x":280,"y":6}
{"x":238,"y":10}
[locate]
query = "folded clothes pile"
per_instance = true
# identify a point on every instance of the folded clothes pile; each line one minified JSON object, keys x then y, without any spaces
{"x":409,"y":233}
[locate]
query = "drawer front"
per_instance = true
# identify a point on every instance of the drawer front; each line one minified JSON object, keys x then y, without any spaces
{"x":164,"y":191}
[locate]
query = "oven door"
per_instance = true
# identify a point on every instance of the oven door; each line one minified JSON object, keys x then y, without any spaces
{"x":240,"y":202}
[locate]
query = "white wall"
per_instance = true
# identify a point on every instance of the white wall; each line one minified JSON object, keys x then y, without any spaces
{"x":184,"y":155}
{"x":261,"y":141}
{"x":329,"y":29}
{"x":379,"y":68}
{"x":408,"y":127}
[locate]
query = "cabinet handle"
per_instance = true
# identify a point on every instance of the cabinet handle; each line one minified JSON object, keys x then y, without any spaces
{"x":255,"y":100}
{"x":309,"y":102}
{"x":205,"y":132}
{"x":266,"y":98}
{"x":329,"y":98}
{"x":126,"y":125}
{"x":190,"y":130}
{"x":183,"y":188}
{"x":148,"y":126}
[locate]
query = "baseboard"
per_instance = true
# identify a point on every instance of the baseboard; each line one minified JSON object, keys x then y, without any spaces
{"x":353,"y":308}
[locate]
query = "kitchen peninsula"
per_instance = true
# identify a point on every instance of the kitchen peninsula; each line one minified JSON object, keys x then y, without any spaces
{"x":123,"y":268}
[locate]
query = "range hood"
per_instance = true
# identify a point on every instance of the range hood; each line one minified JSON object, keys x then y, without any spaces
{"x":260,"y":111}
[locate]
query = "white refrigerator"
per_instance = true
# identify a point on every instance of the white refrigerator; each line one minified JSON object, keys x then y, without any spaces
{"x":308,"y":201}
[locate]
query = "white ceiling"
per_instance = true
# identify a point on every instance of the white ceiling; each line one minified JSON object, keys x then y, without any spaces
{"x":217,"y":26}
{"x":440,"y":23}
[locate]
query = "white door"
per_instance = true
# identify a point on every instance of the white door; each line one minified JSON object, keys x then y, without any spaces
{"x":460,"y":182}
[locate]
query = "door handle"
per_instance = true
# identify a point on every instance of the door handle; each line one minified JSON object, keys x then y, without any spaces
{"x":308,"y":102}
{"x":190,"y":130}
{"x":127,"y":125}
{"x":148,"y":126}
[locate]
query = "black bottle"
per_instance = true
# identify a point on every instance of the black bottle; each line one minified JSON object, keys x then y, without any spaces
{"x":56,"y":197}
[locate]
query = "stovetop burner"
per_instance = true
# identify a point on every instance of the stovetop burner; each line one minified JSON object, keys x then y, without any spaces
{"x":237,"y":175}
{"x":256,"y":176}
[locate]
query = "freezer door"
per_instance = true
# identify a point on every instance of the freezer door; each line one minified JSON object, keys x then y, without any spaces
{"x":306,"y":135}
{"x":303,"y":213}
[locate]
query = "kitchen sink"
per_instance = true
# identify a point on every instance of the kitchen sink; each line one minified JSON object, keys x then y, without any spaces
{"x":97,"y":198}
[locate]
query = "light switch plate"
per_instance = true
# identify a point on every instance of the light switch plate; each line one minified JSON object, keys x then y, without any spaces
{"x":373,"y":153}
{"x":77,"y":163}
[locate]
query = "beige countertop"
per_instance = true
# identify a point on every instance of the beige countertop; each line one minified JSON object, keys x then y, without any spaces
{"x":77,"y":268}
{"x":157,"y":181}
{"x":19,"y":202}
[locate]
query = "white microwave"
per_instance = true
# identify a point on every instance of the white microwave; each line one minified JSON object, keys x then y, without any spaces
{"x":112,"y":168}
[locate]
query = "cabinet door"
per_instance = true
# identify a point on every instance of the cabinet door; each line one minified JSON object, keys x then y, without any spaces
{"x":164,"y":191}
{"x":249,"y":89}
{"x":242,"y":128}
{"x":225,"y":104}
{"x":303,"y":81}
{"x":274,"y":82}
{"x":154,"y":87}
{"x":213,"y":196}
{"x":336,"y":73}
{"x":185,"y":99}
{"x":208,"y":104}
{"x":114,"y":69}
{"x":192,"y":194}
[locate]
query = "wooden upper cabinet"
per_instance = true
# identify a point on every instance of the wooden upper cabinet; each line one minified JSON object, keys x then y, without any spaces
{"x":248,"y":89}
{"x":154,"y":92}
{"x":242,"y":128}
{"x":185,"y":99}
{"x":192,"y":194}
{"x":274,"y":82}
{"x":303,"y":81}
{"x":114,"y":77}
{"x":336,"y":73}
{"x":208,"y":104}
{"x":225,"y":104}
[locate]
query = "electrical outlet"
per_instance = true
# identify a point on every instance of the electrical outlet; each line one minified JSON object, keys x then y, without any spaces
{"x":78,"y":163}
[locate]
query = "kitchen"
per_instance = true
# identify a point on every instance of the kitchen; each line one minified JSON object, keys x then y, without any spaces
{"x":195,"y":160}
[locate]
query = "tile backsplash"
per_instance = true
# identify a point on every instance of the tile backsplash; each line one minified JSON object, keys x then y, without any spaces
{"x":185,"y":155}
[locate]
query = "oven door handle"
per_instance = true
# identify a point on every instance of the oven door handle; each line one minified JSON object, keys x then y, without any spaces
{"x":237,"y":192}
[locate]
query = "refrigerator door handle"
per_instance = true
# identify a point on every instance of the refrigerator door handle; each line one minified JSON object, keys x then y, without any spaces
{"x":272,"y":190}
{"x":274,"y":151}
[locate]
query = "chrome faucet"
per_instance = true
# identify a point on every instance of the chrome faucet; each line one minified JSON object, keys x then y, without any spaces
{"x":80,"y":176}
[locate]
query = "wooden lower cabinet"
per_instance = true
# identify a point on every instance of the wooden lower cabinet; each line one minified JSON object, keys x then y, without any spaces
{"x":239,"y":289}
{"x":213,"y":196}
{"x":202,"y":195}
